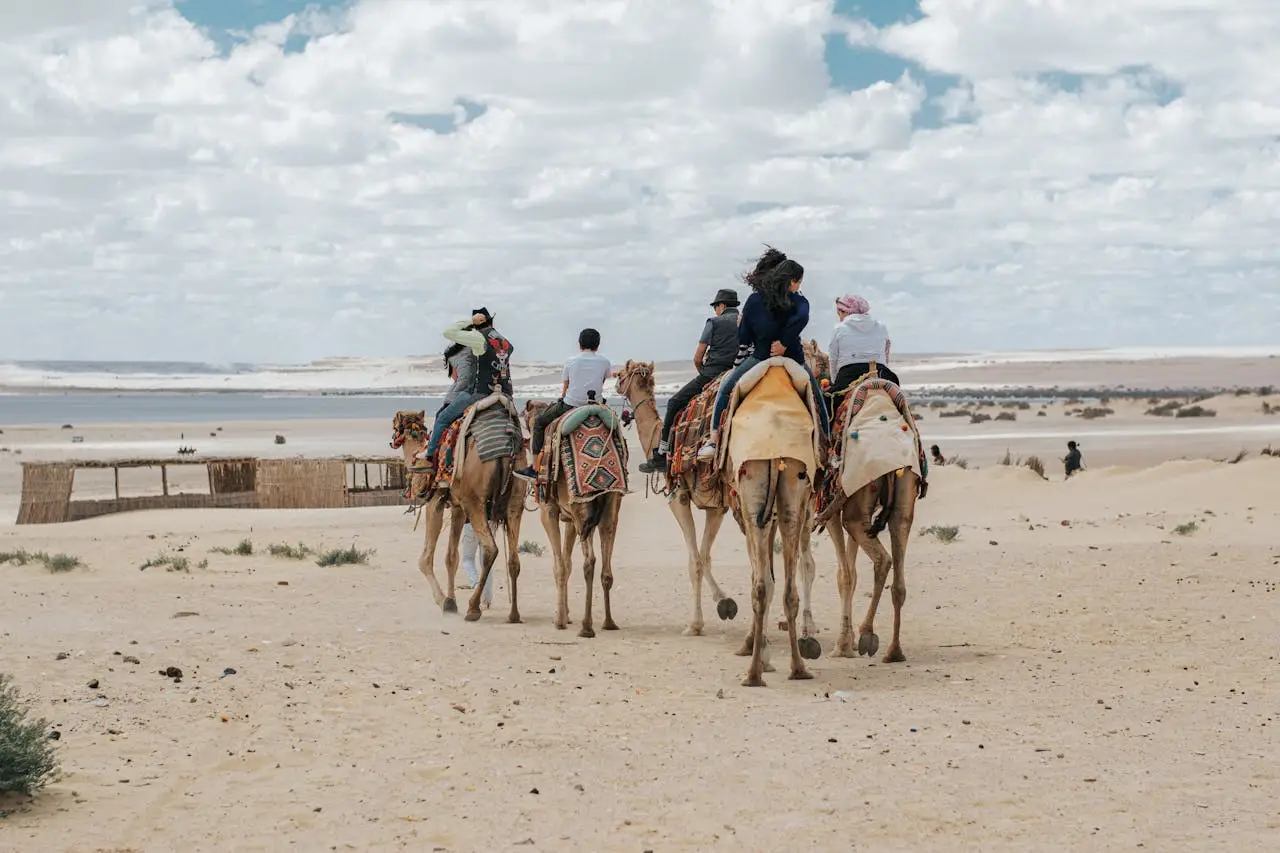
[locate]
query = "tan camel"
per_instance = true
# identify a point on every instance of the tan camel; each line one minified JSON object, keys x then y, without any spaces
{"x":483,"y":494}
{"x":564,"y":520}
{"x":852,"y":523}
{"x":772,"y":457}
{"x":636,"y":383}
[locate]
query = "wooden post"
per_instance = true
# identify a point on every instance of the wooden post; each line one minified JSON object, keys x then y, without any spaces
{"x":116,"y":469}
{"x":366,"y":476}
{"x":208,"y":469}
{"x":164,"y":479}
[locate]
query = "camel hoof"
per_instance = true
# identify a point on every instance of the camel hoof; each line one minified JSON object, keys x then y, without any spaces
{"x":895,"y":656}
{"x":844,"y":650}
{"x":753,"y":681}
{"x":868,"y":644}
{"x":586,"y":633}
{"x":450,"y":605}
{"x":513,"y":619}
{"x":801,"y":675}
{"x":610,"y":625}
{"x":810,"y":649}
{"x":726,"y":609}
{"x":472,"y":616}
{"x":692,"y":631}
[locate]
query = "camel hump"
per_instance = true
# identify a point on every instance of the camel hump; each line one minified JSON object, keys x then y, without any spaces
{"x":773,"y":418}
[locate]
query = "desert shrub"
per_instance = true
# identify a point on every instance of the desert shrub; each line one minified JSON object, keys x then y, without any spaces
{"x":979,"y":417}
{"x":942,"y":533}
{"x":532,"y":548}
{"x":1007,"y":416}
{"x":1007,"y":459}
{"x":1186,"y":529}
{"x":959,"y":462}
{"x":290,"y":552}
{"x":957,"y":413}
{"x":1035,"y":464}
{"x":1165,"y":410}
{"x":1074,"y":401}
{"x":1042,"y":414}
{"x":171,"y":562}
{"x":244,"y":548}
{"x":939,"y":404}
{"x":1239,"y":457}
{"x":52,"y":562}
{"x":1195,"y":412}
{"x":349,"y":556}
{"x":1266,"y":390}
{"x":1091,"y":413}
{"x":28,"y":758}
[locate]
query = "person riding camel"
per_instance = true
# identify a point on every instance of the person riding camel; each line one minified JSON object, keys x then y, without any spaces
{"x":858,"y":340}
{"x":773,"y":317}
{"x":492,"y":373}
{"x":584,"y":378}
{"x":716,"y":353}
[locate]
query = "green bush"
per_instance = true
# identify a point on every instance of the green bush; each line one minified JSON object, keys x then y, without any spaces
{"x":28,"y":759}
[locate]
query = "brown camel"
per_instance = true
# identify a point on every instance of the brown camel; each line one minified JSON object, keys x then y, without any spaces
{"x":483,"y":494}
{"x":564,"y":520}
{"x":852,"y":523}
{"x":636,"y":383}
{"x":772,"y":457}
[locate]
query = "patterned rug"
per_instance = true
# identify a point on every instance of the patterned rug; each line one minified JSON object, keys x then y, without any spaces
{"x":850,"y":405}
{"x":496,"y":435}
{"x":593,"y":456}
{"x":690,"y":431}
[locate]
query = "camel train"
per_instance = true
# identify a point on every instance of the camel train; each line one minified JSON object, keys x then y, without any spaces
{"x":751,"y":440}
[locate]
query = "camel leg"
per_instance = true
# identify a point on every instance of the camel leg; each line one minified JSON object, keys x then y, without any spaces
{"x":683,"y":512}
{"x":847,"y":582}
{"x":900,"y":532}
{"x":515,"y":513}
{"x":793,"y":513}
{"x":569,"y":535}
{"x":588,"y":571}
{"x":434,"y":512}
{"x":550,"y":516}
{"x":488,"y":548}
{"x":807,"y":568}
{"x":457,"y":520}
{"x":608,"y":535}
{"x":859,"y":526}
{"x":726,"y":607}
{"x":751,"y":489}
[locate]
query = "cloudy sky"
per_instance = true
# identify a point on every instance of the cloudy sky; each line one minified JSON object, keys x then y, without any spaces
{"x":277,"y":180}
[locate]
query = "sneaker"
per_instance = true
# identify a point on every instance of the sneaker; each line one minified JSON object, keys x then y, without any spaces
{"x":525,"y":473}
{"x":708,"y":451}
{"x":656,"y":465}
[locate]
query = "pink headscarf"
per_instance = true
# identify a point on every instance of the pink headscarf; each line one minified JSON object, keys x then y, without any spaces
{"x":851,"y":304}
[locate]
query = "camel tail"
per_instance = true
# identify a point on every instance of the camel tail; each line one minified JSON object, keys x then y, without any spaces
{"x":765,"y":514}
{"x":595,"y":512}
{"x":500,"y":493}
{"x":888,"y":498}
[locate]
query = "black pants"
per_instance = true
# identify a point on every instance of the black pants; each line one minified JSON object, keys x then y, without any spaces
{"x":849,"y":373}
{"x":680,"y":400}
{"x":542,"y":421}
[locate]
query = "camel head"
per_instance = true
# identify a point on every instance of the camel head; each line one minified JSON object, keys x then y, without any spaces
{"x":636,"y":380}
{"x":818,"y":362}
{"x":409,"y":432}
{"x":533,"y":408}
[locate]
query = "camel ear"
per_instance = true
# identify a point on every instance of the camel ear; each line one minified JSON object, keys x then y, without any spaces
{"x":423,"y":415}
{"x":651,"y":365}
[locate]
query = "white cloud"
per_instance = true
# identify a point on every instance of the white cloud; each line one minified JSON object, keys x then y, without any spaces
{"x":164,"y":198}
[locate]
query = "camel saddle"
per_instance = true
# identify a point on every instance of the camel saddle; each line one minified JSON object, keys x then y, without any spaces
{"x":772,"y":414}
{"x":690,"y":431}
{"x":586,"y":444}
{"x":493,"y":422}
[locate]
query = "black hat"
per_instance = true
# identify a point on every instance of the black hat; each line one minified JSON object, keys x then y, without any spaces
{"x":485,"y":312}
{"x":727,"y":297}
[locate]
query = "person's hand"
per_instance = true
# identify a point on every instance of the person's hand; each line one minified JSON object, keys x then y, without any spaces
{"x":477,"y":319}
{"x":777,"y":349}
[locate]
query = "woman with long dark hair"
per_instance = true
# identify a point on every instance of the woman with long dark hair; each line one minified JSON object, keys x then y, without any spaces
{"x":772,"y":319}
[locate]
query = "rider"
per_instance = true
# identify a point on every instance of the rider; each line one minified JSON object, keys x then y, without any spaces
{"x":584,"y":377}
{"x":772,"y":319}
{"x":493,"y":372}
{"x":717,"y":352}
{"x":858,"y":340}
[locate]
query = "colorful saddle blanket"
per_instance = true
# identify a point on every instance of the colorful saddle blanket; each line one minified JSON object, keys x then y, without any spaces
{"x":494,"y":425}
{"x":690,"y":431}
{"x":593,"y":455}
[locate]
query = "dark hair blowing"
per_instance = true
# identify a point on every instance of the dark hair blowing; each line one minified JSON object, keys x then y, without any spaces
{"x":772,"y":279}
{"x":450,"y":351}
{"x":589,"y":339}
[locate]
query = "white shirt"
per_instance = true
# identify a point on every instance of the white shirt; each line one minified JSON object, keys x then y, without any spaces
{"x":858,"y":338}
{"x":585,"y":372}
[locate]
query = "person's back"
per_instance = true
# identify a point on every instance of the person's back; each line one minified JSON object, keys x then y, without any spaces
{"x":762,"y":326}
{"x":1074,"y":460}
{"x":585,"y":373}
{"x":859,"y":338}
{"x":720,"y":335}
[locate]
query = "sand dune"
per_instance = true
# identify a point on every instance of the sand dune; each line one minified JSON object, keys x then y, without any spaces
{"x":1079,"y":676}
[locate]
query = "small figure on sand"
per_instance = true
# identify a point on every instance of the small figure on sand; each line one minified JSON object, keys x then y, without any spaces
{"x":1073,"y":460}
{"x":937,"y":455}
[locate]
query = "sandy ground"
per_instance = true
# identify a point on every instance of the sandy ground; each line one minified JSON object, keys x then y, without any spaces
{"x":1079,"y":676}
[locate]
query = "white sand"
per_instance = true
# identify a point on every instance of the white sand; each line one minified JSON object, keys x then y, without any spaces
{"x":1104,"y":684}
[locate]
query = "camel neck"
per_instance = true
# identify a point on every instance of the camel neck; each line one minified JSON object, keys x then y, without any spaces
{"x":648,"y":424}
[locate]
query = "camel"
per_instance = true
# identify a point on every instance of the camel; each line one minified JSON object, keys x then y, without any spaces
{"x":852,"y":523}
{"x":482,"y":493}
{"x":597,"y":515}
{"x":636,"y":383}
{"x":772,"y":455}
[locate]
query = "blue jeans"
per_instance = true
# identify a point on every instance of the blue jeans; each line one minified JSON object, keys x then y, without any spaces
{"x":446,"y":417}
{"x":728,"y":383}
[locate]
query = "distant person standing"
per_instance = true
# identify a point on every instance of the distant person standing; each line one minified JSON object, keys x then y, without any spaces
{"x":1073,"y":461}
{"x":938,"y":458}
{"x":469,"y":546}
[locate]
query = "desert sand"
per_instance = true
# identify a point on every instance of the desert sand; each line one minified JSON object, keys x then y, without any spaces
{"x":1078,"y":676}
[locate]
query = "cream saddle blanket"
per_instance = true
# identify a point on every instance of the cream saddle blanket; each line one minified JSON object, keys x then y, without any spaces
{"x":876,"y":442}
{"x":772,"y":415}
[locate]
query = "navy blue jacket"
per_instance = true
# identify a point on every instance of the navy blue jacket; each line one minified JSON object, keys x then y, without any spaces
{"x":759,"y":328}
